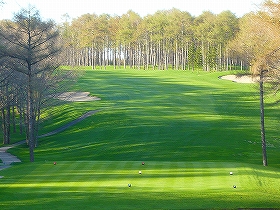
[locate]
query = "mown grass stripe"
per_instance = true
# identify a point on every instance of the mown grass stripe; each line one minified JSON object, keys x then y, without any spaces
{"x":107,"y":174}
{"x":156,"y":176}
{"x":115,"y":172}
{"x":198,"y":172}
{"x":84,"y":177}
{"x":169,"y":180}
{"x":99,"y":174}
{"x":75,"y":180}
{"x":182,"y":173}
{"x":50,"y":178}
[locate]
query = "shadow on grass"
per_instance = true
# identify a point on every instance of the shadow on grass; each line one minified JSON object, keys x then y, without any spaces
{"x":135,"y":200}
{"x":169,"y":116}
{"x":162,"y":185}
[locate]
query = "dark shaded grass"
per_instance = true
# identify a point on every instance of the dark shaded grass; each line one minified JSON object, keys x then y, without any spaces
{"x":165,"y":117}
{"x":160,"y":115}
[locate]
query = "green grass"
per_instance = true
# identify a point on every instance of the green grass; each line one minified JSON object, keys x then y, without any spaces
{"x":162,"y":185}
{"x":191,"y":129}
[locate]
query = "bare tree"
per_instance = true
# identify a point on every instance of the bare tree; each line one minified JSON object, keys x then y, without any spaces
{"x":30,"y":45}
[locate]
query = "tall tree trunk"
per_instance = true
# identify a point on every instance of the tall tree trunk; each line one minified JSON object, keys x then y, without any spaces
{"x":188,"y":56}
{"x":114,"y":57}
{"x":8,"y":124}
{"x":208,"y":57}
{"x":36,"y":122}
{"x":30,"y":119}
{"x":176,"y":55}
{"x":204,"y":63}
{"x":262,"y":119}
{"x":124,"y":56}
{"x":183,"y":58}
{"x":104,"y":56}
{"x":92,"y":56}
{"x":220,"y":67}
{"x":147,"y":54}
{"x":130,"y":55}
{"x":165,"y":59}
{"x":99,"y":58}
{"x":14,"y":119}
{"x":21,"y":119}
{"x":154,"y":60}
{"x":159,"y":56}
{"x":107,"y":52}
{"x":4,"y":125}
{"x":139,"y":55}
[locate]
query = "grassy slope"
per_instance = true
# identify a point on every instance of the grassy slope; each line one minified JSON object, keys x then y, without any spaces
{"x":190,"y":128}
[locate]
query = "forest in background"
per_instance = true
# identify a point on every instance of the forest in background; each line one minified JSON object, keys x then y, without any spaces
{"x":174,"y":39}
{"x":167,"y":39}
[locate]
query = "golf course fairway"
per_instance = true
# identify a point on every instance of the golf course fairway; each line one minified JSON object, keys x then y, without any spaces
{"x":191,"y":129}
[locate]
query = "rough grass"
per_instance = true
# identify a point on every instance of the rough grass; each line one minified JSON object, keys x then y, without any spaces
{"x":191,"y":129}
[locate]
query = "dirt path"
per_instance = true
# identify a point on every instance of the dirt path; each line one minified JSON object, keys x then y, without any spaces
{"x":70,"y":124}
{"x":8,"y":158}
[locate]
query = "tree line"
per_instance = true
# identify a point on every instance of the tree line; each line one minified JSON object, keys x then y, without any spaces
{"x":167,"y":39}
{"x":173,"y":39}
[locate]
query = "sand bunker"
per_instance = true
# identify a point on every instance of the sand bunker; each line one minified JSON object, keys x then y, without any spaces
{"x":77,"y":96}
{"x":241,"y":78}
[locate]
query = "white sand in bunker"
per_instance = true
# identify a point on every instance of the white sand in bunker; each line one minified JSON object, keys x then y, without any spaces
{"x":241,"y":78}
{"x":77,"y":96}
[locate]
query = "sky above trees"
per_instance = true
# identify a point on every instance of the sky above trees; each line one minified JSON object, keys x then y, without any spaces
{"x":54,"y":9}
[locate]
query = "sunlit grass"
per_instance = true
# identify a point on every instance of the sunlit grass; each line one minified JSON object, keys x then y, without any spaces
{"x":162,"y":184}
{"x":190,"y":128}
